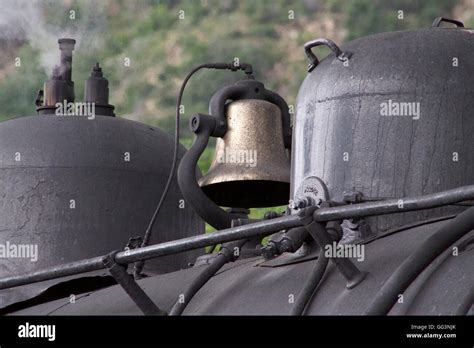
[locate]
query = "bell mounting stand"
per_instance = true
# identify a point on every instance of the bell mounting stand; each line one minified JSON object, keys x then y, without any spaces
{"x":253,"y":103}
{"x":202,"y":126}
{"x":247,"y":68}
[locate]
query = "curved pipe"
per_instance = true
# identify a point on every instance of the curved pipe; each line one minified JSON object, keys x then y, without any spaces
{"x":304,"y":297}
{"x":138,"y":267}
{"x":202,"y":126}
{"x":418,"y":260}
{"x":225,"y":255}
{"x":466,"y":304}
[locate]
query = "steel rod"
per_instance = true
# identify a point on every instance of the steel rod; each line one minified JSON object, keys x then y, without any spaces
{"x":227,"y":235}
{"x":130,"y":286}
{"x":240,"y":232}
{"x":168,"y":248}
{"x":64,"y":270}
{"x":392,"y":206}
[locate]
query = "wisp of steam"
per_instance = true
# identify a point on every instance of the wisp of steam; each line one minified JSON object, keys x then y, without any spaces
{"x":27,"y":20}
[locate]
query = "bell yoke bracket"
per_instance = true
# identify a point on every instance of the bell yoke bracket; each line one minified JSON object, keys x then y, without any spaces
{"x":247,"y":89}
{"x":215,"y":125}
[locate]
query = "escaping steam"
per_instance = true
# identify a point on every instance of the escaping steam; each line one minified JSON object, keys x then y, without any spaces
{"x":41,"y":23}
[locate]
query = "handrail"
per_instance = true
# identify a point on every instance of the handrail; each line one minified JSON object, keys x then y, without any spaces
{"x":393,"y":206}
{"x":162,"y":249}
{"x":265,"y":227}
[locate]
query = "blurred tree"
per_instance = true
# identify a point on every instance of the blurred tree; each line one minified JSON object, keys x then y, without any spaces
{"x":365,"y":17}
{"x":18,"y":89}
{"x":165,"y":39}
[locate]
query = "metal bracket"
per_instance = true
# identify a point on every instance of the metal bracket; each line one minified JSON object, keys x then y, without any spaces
{"x":202,"y":126}
{"x":126,"y":281}
{"x":347,"y":268}
{"x":312,"y":192}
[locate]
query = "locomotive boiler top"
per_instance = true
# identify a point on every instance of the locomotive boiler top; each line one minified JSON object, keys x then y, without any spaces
{"x":77,"y":184}
{"x":80,"y":188}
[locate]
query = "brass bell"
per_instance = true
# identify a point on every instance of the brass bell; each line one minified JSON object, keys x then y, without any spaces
{"x":251,"y":167}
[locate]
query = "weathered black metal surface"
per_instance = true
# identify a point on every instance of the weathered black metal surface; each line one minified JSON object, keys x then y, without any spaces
{"x":178,"y":246}
{"x":246,"y":288}
{"x":257,"y":229}
{"x":28,"y":292}
{"x":80,"y":188}
{"x":341,"y":137}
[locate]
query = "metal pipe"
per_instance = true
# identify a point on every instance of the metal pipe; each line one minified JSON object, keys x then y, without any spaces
{"x":226,"y":254}
{"x":290,"y":241}
{"x":347,"y":268}
{"x":64,"y":270}
{"x":218,"y":237}
{"x":126,"y":281}
{"x":466,"y":304}
{"x":258,"y":228}
{"x":293,"y":239}
{"x":404,"y":275}
{"x":393,"y":206}
{"x":311,"y":284}
{"x":152,"y":251}
{"x":66,"y":46}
